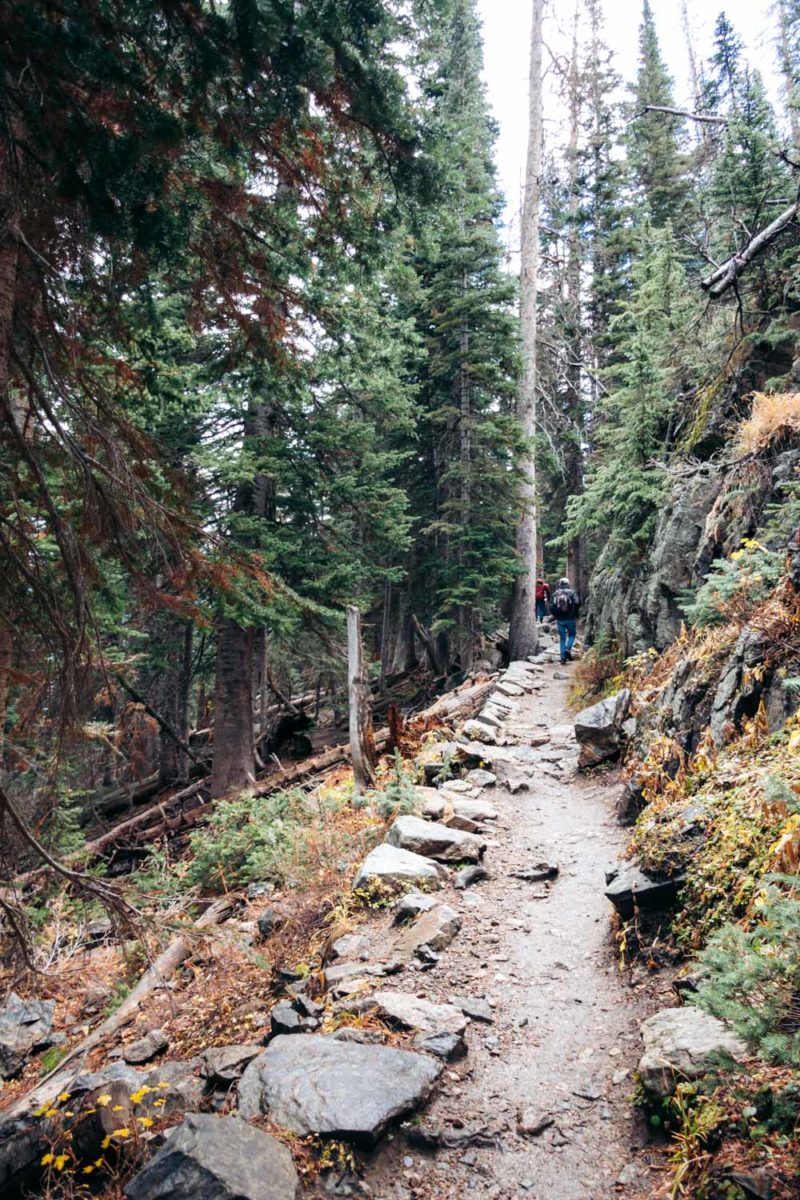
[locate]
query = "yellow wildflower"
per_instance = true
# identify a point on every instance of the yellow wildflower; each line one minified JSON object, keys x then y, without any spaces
{"x":61,"y":1161}
{"x":48,"y":1158}
{"x":104,"y":1099}
{"x":146,"y":1122}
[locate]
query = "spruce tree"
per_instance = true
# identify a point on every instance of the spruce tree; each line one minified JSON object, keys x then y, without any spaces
{"x":655,"y":152}
{"x":462,"y":482}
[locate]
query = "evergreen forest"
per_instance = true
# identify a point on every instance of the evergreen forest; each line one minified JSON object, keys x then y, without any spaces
{"x":298,"y":413}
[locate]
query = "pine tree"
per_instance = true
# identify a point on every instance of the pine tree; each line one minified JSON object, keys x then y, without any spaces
{"x":655,"y":153}
{"x":462,"y":483}
{"x":626,"y":483}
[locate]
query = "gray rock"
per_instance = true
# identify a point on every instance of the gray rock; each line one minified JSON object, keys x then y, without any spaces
{"x":628,"y":888}
{"x":475,"y":810}
{"x":467,"y":876}
{"x":459,"y":787}
{"x":536,"y":872}
{"x":24,"y":1024}
{"x":411,"y":905}
{"x":435,"y":929}
{"x":480,"y":731}
{"x":517,"y":784}
{"x":599,"y":729}
{"x":319,"y":1085}
{"x":268,"y":921}
{"x":216,"y":1158}
{"x":225,"y":1064}
{"x":431,"y":802}
{"x":480,"y":778}
{"x":395,"y":868}
{"x":145,"y":1048}
{"x":412,"y":1012}
{"x":431,"y":840}
{"x":533,"y":1121}
{"x":447,"y":1046}
{"x":185,"y":1089}
{"x":285,"y":1018}
{"x":684,"y":1043}
{"x":474,"y":1007}
{"x":350,"y":945}
{"x":364,"y":1037}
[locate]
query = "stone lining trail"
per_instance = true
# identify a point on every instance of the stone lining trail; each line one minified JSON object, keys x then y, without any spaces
{"x":539,"y":1108}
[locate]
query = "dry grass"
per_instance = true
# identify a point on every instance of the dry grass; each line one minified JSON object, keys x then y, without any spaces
{"x":774,"y":418}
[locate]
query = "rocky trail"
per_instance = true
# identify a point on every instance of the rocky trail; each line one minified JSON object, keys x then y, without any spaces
{"x":471,"y":1033}
{"x":539,"y":1105}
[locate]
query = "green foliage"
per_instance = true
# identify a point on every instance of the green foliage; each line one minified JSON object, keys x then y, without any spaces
{"x":398,"y":795}
{"x":248,"y":839}
{"x":627,"y":482}
{"x":751,"y":977}
{"x":749,"y":575}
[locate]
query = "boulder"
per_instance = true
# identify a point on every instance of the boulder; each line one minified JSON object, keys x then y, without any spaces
{"x":628,"y":888}
{"x":412,"y":1012}
{"x":481,"y":779}
{"x":431,"y":840}
{"x":145,"y":1048}
{"x":24,"y":1025}
{"x":285,"y":1017}
{"x":225,"y":1064}
{"x":599,"y":729}
{"x":435,"y":929}
{"x":475,"y":810}
{"x":396,"y":868}
{"x":411,"y":905}
{"x":185,"y":1089}
{"x":350,"y":945}
{"x":216,"y":1158}
{"x":683,"y":1043}
{"x":431,"y":802}
{"x":320,"y":1085}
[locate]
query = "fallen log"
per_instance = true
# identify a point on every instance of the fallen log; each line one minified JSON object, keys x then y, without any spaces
{"x":162,"y":969}
{"x":725,"y":276}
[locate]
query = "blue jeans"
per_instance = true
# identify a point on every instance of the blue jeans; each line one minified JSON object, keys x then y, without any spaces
{"x":566,"y":633}
{"x":541,"y":610}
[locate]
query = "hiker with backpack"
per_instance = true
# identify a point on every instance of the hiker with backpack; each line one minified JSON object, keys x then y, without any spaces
{"x":565,"y":607}
{"x":542,"y":599}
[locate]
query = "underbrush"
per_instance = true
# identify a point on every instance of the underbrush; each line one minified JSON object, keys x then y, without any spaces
{"x":594,"y":675}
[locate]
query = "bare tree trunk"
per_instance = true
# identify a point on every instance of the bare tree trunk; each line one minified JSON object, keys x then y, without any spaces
{"x":466,"y":616}
{"x":6,"y":659}
{"x":405,"y":656}
{"x":701,"y":129}
{"x":184,"y":697}
{"x":386,"y":630}
{"x":234,"y":750}
{"x":523,"y":638}
{"x":788,"y":71}
{"x":575,"y":404}
{"x":362,"y":737}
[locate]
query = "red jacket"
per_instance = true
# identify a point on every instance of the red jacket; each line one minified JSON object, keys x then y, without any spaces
{"x":543,"y":591}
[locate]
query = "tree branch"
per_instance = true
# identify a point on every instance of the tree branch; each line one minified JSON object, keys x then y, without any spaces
{"x":726,"y":275}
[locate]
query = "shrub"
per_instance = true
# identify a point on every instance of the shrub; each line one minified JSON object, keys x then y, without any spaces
{"x":247,"y":839}
{"x":752,"y":977}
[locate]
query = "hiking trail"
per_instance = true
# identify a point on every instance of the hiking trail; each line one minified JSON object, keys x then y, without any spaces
{"x":540,"y":1107}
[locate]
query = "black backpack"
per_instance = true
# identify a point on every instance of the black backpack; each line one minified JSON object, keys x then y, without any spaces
{"x":562,"y":602}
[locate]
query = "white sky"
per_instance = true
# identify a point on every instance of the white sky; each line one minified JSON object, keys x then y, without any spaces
{"x":506,"y":30}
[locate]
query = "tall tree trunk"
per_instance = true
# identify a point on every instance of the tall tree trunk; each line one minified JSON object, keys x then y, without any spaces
{"x":362,"y":738}
{"x":466,"y":616}
{"x":184,"y":697}
{"x":788,"y":68}
{"x":575,"y":401}
{"x":386,"y":636}
{"x":234,"y":749}
{"x":6,"y":658}
{"x":523,"y":636}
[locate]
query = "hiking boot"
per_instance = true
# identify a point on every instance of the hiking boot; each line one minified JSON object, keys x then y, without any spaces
{"x":569,"y":656}
{"x":563,"y":662}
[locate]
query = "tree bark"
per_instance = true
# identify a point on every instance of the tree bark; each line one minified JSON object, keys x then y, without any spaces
{"x":234,"y":749}
{"x":523,"y":639}
{"x":362,"y":737}
{"x":726,"y":275}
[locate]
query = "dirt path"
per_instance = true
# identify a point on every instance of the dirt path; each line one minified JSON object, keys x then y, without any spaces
{"x":564,"y":1040}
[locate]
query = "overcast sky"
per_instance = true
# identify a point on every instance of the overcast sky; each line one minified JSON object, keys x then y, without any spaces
{"x":506,"y":39}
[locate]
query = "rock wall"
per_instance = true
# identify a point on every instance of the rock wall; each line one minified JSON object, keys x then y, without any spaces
{"x":711,"y":508}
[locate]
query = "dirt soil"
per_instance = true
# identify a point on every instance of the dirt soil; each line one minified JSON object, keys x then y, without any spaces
{"x":564,"y":1042}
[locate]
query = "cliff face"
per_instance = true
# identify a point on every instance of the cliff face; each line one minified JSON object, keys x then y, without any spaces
{"x":712,"y":507}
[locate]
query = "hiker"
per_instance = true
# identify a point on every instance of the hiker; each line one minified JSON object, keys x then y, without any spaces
{"x":565,"y":607}
{"x":542,"y":599}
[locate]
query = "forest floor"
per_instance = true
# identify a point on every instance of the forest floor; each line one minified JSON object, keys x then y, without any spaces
{"x":564,"y":1042}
